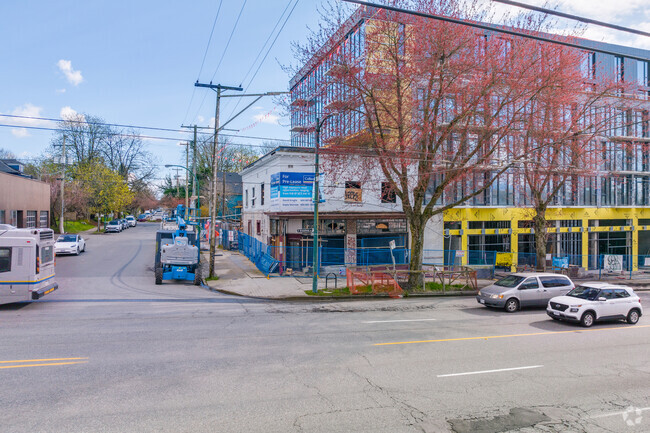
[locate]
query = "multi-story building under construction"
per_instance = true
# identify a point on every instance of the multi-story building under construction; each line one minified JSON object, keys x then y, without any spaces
{"x":605,"y":213}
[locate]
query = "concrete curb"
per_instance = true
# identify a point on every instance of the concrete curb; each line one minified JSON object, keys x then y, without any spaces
{"x":307,"y":298}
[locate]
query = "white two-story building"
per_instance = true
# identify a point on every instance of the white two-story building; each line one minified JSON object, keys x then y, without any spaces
{"x":359,"y":214}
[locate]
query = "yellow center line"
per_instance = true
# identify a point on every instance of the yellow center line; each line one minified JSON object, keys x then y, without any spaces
{"x":510,"y":336}
{"x":41,"y":365}
{"x":41,"y":360}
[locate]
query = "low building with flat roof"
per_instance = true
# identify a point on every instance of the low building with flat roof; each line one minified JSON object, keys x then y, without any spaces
{"x":24,"y":202}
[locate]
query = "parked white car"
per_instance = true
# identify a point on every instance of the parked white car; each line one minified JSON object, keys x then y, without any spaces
{"x":132,"y":221}
{"x":69,"y":244}
{"x":592,"y":302}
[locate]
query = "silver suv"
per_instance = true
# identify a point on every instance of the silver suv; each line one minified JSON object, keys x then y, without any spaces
{"x":524,"y":290}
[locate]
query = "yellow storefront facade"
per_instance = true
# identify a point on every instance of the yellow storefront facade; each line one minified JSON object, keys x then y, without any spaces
{"x":629,"y":224}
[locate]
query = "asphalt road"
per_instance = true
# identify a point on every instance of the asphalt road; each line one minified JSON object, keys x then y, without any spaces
{"x":112,"y":352}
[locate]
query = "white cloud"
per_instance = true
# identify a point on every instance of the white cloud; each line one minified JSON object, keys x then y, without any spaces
{"x":69,"y":113}
{"x":60,"y":90}
{"x":20,"y":132}
{"x":27,"y":111}
{"x":74,"y":77}
{"x":631,"y":13}
{"x":201,"y":119}
{"x":271,"y":119}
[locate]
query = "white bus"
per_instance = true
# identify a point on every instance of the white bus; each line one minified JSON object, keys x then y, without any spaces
{"x":26,"y":264}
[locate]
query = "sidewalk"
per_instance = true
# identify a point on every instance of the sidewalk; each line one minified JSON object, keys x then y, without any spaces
{"x":239,"y":276}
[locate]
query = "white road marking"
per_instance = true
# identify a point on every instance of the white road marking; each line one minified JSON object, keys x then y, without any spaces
{"x":490,"y":371}
{"x":395,"y":321}
{"x":605,"y":415}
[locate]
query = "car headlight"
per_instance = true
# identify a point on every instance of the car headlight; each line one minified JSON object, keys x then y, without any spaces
{"x":575,"y":308}
{"x":497,"y":296}
{"x":479,"y":293}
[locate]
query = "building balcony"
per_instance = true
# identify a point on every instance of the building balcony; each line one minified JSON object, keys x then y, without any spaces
{"x":302,"y":102}
{"x":302,"y":128}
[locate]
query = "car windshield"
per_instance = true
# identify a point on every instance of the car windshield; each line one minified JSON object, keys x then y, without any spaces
{"x":129,"y":218}
{"x":583,"y":292}
{"x":68,"y":238}
{"x":509,"y":281}
{"x":113,"y":223}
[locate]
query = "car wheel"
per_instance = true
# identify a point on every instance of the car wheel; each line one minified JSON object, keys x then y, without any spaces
{"x":78,"y":251}
{"x":588,"y":319}
{"x":633,"y":317}
{"x":512,"y":305}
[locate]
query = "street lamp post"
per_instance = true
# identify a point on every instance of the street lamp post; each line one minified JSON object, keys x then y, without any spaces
{"x":319,"y":124}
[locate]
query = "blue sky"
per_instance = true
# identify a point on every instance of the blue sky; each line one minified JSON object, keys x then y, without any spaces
{"x":135,"y":62}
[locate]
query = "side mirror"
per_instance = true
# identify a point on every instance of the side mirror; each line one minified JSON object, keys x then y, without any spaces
{"x":601,"y":299}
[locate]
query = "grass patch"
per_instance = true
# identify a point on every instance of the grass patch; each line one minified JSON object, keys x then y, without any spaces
{"x":437,"y":287}
{"x":345,"y":291}
{"x":77,"y":226}
{"x":215,"y":278}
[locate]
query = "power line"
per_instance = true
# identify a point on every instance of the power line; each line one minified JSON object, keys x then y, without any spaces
{"x":232,"y":32}
{"x":203,"y":61}
{"x":336,"y":152}
{"x":572,"y":17}
{"x":152,"y":128}
{"x":498,"y":29}
{"x":277,"y":23}
{"x":269,"y":49}
{"x":205,"y":54}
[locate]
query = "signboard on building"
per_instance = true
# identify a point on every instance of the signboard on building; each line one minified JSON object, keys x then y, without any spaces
{"x":292,"y":191}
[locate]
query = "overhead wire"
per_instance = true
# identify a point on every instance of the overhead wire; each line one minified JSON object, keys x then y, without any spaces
{"x":232,"y":32}
{"x":268,"y":50}
{"x":346,"y":151}
{"x":205,"y":54}
{"x":184,"y":131}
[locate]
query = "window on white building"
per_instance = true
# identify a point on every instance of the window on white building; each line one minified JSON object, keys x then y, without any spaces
{"x":387,"y":193}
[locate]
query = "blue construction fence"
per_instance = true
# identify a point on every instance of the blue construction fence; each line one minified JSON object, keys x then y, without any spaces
{"x":277,"y":260}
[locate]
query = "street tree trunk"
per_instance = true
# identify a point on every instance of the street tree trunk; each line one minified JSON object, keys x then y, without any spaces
{"x":539,"y":223}
{"x":417,"y":252}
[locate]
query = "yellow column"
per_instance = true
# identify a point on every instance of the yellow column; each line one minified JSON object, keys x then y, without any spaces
{"x":464,"y":244}
{"x":514,"y":245}
{"x":585,"y":244}
{"x":635,"y":242}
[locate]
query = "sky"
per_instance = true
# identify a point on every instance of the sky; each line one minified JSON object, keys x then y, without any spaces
{"x":135,"y":62}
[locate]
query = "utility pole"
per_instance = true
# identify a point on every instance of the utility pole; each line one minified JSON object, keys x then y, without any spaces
{"x":213,"y":220}
{"x":194,"y":175}
{"x":178,"y":192}
{"x":64,"y":160}
{"x":187,"y":173}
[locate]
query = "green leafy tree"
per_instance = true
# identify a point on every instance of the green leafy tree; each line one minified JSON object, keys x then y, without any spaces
{"x":108,"y":191}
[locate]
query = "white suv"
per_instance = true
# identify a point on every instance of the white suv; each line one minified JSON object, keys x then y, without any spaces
{"x":591,"y":302}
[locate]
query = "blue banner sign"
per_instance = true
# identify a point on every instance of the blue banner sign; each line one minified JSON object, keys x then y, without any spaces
{"x":292,"y":191}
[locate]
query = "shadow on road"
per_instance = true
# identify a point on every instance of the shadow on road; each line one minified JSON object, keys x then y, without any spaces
{"x":161,"y":300}
{"x":496,"y":312}
{"x":14,"y":307}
